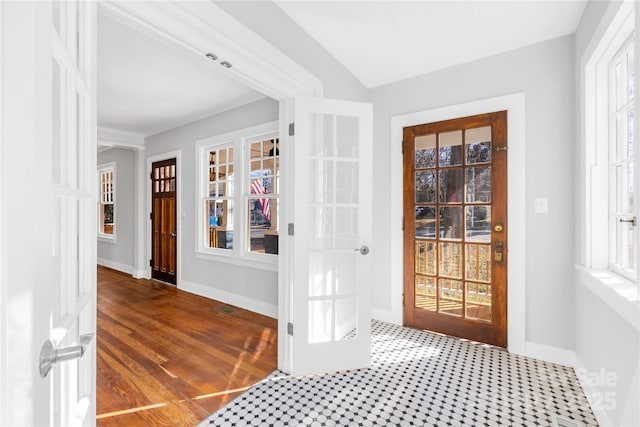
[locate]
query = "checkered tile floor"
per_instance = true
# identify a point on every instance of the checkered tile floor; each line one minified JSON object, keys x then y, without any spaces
{"x":418,"y":378}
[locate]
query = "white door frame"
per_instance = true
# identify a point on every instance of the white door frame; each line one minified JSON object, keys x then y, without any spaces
{"x":202,"y":27}
{"x":516,"y":207}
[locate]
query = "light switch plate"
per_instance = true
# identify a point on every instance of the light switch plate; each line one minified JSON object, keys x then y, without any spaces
{"x":541,"y":204}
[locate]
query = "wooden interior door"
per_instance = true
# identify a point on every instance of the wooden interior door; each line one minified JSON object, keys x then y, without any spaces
{"x":455,"y":233}
{"x":163,"y":220}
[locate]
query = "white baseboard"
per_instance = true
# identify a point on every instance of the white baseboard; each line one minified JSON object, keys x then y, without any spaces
{"x":116,"y":265}
{"x":230,"y":298}
{"x":141,"y":274}
{"x":385,"y":316}
{"x":543,"y":352}
{"x":547,"y":353}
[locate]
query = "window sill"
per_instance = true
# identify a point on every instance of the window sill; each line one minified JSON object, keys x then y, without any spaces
{"x":258,"y":261}
{"x":106,"y":238}
{"x":618,"y":293}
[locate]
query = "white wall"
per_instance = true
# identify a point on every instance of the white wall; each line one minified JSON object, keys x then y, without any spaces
{"x":607,"y":338}
{"x":271,"y":23}
{"x":544,"y":73}
{"x":249,"y":288}
{"x":119,"y":254}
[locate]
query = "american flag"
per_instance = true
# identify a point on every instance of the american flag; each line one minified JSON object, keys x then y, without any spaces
{"x":265,"y":205}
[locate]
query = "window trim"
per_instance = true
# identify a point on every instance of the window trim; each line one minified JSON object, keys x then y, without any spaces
{"x":239,"y":255}
{"x":630,"y":274}
{"x":105,"y":167}
{"x":595,"y":127}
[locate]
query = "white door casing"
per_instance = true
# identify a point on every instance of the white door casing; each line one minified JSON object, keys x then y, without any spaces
{"x":49,"y":210}
{"x":332,"y":232}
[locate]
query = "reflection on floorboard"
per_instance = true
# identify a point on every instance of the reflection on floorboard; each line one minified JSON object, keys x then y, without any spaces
{"x":169,"y":358}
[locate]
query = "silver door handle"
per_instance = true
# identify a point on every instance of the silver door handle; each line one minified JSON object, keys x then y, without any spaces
{"x":49,"y":355}
{"x":363,"y":249}
{"x":173,"y":234}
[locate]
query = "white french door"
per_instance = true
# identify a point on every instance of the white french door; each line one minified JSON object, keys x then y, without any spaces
{"x":73,"y":310}
{"x":332,"y":233}
{"x":49,"y":213}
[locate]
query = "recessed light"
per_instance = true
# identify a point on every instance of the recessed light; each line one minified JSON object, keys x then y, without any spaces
{"x":226,"y":64}
{"x":211,"y":56}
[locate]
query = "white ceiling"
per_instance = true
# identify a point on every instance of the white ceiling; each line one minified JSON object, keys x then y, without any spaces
{"x":384,"y":41}
{"x":147,"y":86}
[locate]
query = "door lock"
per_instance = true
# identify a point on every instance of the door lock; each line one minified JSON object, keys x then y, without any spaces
{"x":498,"y":252}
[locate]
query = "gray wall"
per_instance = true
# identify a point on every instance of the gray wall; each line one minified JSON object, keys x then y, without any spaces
{"x":606,"y":342}
{"x":544,"y":72}
{"x":120,"y":254}
{"x":252,"y":283}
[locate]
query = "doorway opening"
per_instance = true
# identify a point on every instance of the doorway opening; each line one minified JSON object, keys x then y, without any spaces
{"x":164,"y":230}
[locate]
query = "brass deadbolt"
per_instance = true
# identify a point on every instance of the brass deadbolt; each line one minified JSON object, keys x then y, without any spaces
{"x":498,"y":228}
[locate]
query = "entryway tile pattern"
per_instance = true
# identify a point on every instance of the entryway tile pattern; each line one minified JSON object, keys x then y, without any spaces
{"x":417,"y":378}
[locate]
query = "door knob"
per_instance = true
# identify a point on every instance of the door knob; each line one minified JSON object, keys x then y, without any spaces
{"x":49,"y":355}
{"x":363,"y":249}
{"x":173,"y":234}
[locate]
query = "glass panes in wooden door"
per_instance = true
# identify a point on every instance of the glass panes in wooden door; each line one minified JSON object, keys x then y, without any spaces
{"x":452,"y":236}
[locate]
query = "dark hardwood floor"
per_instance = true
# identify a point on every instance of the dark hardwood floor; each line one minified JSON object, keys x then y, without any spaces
{"x":169,"y":358}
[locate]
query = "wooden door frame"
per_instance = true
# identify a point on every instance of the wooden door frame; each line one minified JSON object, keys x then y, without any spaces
{"x":494,"y":331}
{"x":176,"y":154}
{"x":516,"y":208}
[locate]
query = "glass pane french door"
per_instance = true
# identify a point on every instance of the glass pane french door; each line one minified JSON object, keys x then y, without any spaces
{"x":333,"y":194}
{"x":455,"y":227}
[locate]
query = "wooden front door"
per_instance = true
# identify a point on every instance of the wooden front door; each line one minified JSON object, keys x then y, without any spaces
{"x":163,"y":220}
{"x":455,"y":233}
